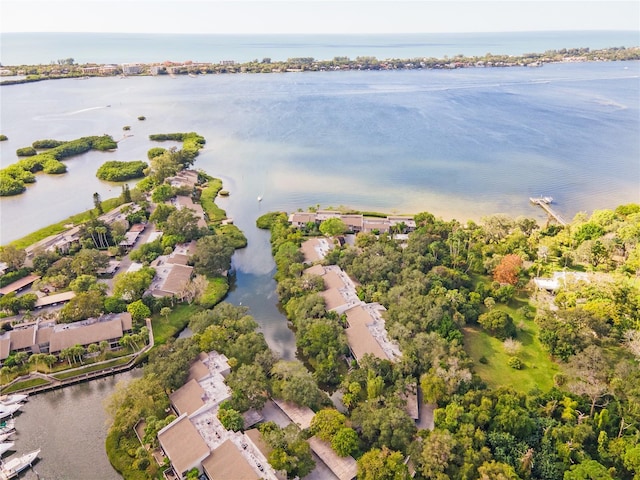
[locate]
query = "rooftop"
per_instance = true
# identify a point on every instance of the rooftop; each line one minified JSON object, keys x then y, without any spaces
{"x":345,"y":468}
{"x":183,"y":444}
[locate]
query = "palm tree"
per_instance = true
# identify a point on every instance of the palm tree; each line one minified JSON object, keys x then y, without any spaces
{"x":102,"y":236}
{"x":90,"y":231}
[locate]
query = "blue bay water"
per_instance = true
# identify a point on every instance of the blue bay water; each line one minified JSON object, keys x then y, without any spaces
{"x":44,"y":48}
{"x":461,"y":144}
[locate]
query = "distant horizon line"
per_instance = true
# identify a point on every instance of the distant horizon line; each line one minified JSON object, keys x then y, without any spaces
{"x":330,"y":33}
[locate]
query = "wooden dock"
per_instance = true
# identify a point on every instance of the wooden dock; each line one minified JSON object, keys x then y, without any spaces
{"x":544,"y":203}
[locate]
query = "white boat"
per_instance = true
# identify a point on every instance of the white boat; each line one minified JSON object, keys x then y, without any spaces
{"x":8,"y":410}
{"x":12,"y":467}
{"x":13,"y":398}
{"x":259,"y":198}
{"x":4,"y":446}
{"x":5,"y":436}
{"x":7,"y":426}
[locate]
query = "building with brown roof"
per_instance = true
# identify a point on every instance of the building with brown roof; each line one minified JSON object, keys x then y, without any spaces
{"x":50,"y":338}
{"x":19,"y":284}
{"x":170,"y":279}
{"x":54,"y":299}
{"x":109,"y":328}
{"x":315,"y":249}
{"x":366,"y":333}
{"x":188,"y":399}
{"x":298,"y":414}
{"x":345,"y":468}
{"x":183,"y":445}
{"x":226,"y":462}
{"x":301,"y":219}
{"x":183,"y":201}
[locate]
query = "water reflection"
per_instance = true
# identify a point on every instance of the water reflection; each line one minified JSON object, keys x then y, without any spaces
{"x":70,"y":427}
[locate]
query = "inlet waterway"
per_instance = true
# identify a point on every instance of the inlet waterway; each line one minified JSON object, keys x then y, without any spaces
{"x":460,"y":144}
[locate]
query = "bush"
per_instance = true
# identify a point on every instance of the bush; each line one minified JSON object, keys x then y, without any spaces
{"x":26,"y":152}
{"x":116,"y":171}
{"x":126,"y":128}
{"x":10,"y":185}
{"x":515,"y":363}
{"x":498,"y":323}
{"x":3,"y":138}
{"x":155,"y":152}
{"x":46,"y":144}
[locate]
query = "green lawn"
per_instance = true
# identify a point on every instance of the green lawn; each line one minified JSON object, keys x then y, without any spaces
{"x":34,"y":382}
{"x":538,"y":369}
{"x":166,"y":327}
{"x":92,"y":368}
{"x":60,"y":227}
{"x":215,"y":292}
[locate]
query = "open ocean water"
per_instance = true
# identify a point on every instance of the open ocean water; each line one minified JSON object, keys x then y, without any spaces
{"x":44,"y":48}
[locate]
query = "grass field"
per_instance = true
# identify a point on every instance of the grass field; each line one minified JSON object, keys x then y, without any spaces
{"x":538,"y":369}
{"x":92,"y":368}
{"x":60,"y":227}
{"x":165,"y":328}
{"x":34,"y":382}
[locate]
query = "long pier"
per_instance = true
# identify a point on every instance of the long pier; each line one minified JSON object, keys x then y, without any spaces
{"x":544,"y":202}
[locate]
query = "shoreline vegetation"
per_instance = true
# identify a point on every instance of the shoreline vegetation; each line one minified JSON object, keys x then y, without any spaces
{"x":67,"y":68}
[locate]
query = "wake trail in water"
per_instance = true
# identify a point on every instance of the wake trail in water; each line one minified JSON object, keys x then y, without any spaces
{"x":85,"y":110}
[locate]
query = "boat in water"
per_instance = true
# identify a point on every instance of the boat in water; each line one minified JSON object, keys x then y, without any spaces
{"x":12,"y":467}
{"x":8,"y":410}
{"x":7,"y":426}
{"x":13,"y":398}
{"x":5,"y":436}
{"x":6,"y":446}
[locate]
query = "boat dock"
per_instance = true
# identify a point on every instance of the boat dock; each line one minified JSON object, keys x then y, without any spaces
{"x":544,"y":203}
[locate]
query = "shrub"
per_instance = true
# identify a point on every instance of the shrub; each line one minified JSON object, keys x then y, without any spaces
{"x":10,"y":185}
{"x":3,"y":138}
{"x":155,"y":152}
{"x":46,"y":144}
{"x":116,"y":171}
{"x":498,"y":323}
{"x":511,"y":346}
{"x":26,"y":152}
{"x":515,"y":362}
{"x":126,"y":128}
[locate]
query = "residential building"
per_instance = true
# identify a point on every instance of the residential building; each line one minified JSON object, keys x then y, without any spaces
{"x":197,"y":439}
{"x":48,"y":337}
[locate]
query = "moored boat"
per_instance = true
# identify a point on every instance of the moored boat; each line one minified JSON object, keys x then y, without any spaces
{"x":13,"y":398}
{"x":8,"y":410}
{"x":5,"y":436}
{"x":5,"y":446}
{"x":7,"y":426}
{"x":12,"y":467}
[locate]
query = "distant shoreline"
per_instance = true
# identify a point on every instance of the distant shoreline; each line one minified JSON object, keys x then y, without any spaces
{"x":67,"y":68}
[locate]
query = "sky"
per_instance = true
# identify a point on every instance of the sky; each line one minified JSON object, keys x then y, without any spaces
{"x":315,"y":16}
